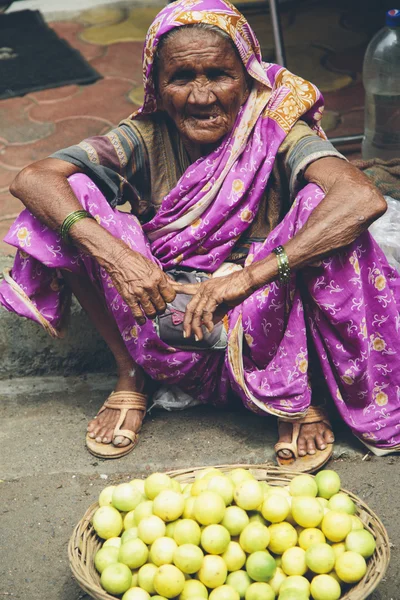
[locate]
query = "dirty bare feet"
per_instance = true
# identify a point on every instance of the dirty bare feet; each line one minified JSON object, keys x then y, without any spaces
{"x":312,"y":437}
{"x":131,"y":378}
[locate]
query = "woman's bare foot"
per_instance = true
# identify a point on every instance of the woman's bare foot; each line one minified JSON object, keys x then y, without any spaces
{"x":130,"y":379}
{"x":312,"y":437}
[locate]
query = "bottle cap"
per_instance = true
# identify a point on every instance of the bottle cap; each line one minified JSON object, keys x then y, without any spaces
{"x":393,"y":17}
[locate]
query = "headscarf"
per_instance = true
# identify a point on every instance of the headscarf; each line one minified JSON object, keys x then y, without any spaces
{"x":217,"y":198}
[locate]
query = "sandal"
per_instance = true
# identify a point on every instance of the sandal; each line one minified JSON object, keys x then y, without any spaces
{"x":122,"y":401}
{"x":310,"y":462}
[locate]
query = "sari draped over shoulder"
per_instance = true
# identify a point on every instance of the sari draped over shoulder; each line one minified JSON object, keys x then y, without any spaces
{"x":348,"y":306}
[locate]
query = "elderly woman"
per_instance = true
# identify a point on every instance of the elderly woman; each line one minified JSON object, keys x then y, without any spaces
{"x":245,"y":255}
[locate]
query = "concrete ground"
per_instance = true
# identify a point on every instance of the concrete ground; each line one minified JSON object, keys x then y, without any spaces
{"x":48,"y":479}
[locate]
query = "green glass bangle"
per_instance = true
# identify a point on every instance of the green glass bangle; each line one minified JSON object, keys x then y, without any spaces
{"x":70,"y":220}
{"x":283,"y":264}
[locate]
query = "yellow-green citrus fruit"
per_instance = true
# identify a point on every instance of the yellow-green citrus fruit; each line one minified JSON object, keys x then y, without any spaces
{"x":139,"y":484}
{"x":350,"y":567}
{"x":361,"y":541}
{"x":176,"y":486}
{"x":193,"y":588}
{"x":168,"y":505}
{"x":129,"y":534}
{"x":260,"y":566}
{"x":162,"y":551}
{"x":283,"y":536}
{"x":259,"y":591}
{"x":311,"y":536}
{"x":189,"y":506}
{"x":187,"y":531}
{"x":234,"y":556}
{"x":151,"y":528}
{"x":298,"y":583}
{"x":170,"y":528}
{"x":133,"y":553}
{"x":256,"y":517}
{"x":339,"y":548}
{"x":223,"y":486}
{"x":116,"y":579}
{"x":235,"y":520}
{"x":254,"y":536}
{"x":303,"y":485}
{"x":215,"y":539}
{"x":307,"y":511}
{"x":336,"y":525}
{"x":292,"y":594}
{"x":240,"y":581}
{"x":328,"y":483}
{"x":275,"y":508}
{"x":156,"y":483}
{"x":169,"y":581}
{"x":114,"y":542}
{"x":188,"y":558}
{"x":342,"y":503}
{"x":107,"y":522}
{"x":136,"y":593}
{"x":207,"y":473}
{"x":323,"y":502}
{"x":144,"y":509}
{"x":325,"y":587}
{"x":239,"y":474}
{"x":105,"y":497}
{"x":356,"y":523}
{"x":105,"y":557}
{"x":209,"y":508}
{"x":278,"y":579}
{"x":129,"y":520}
{"x":294,"y":561}
{"x":213,"y":571}
{"x":126,"y":497}
{"x":146,"y":575}
{"x":224,"y":592}
{"x":320,"y":558}
{"x":199,"y":486}
{"x":248,"y":494}
{"x":157,"y":597}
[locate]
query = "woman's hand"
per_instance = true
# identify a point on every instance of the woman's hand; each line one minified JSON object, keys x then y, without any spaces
{"x":223,"y":292}
{"x":141,"y":283}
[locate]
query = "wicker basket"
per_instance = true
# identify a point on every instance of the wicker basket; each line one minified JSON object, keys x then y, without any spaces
{"x":84,"y":542}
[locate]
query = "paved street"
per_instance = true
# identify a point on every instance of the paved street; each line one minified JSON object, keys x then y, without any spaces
{"x":49,"y":479}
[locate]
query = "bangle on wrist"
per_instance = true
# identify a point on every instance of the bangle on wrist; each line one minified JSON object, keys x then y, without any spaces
{"x":70,"y":220}
{"x":283,"y":264}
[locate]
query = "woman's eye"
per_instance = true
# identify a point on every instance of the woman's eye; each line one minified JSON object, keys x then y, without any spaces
{"x":182,"y":76}
{"x":216,"y":73}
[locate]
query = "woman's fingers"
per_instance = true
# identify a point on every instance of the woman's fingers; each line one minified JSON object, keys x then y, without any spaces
{"x":199,"y":312}
{"x":186,"y":288}
{"x":137,"y":313}
{"x":167,"y":289}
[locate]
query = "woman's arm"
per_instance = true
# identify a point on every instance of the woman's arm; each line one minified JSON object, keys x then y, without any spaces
{"x":351,"y":204}
{"x":44,"y":189}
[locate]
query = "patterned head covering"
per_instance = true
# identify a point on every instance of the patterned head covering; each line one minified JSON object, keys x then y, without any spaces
{"x":219,"y":13}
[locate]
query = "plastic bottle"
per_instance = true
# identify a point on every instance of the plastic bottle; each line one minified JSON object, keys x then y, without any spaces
{"x":381,"y":78}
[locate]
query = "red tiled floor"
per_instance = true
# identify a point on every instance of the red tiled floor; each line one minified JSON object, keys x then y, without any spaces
{"x":6,"y":177}
{"x":67,"y":132}
{"x":121,"y":60}
{"x":15,"y":124}
{"x":54,"y":95}
{"x":106,"y":99}
{"x":69,"y":30}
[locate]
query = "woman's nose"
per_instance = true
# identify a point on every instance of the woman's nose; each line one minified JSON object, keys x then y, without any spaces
{"x":201,"y":94}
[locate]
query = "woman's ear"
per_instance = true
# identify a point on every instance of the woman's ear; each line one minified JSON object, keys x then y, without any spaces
{"x":247,"y":91}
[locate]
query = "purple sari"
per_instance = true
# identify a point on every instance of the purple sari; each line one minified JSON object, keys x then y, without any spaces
{"x":348,"y":306}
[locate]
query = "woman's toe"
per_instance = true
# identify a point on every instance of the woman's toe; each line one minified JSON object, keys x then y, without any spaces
{"x":311,"y":446}
{"x":301,"y":447}
{"x":320,"y":441}
{"x":121,"y":440}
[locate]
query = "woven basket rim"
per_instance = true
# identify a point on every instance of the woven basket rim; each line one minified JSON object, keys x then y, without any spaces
{"x":84,"y":541}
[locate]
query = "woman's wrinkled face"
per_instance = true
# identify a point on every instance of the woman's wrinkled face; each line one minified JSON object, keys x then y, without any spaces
{"x":201,"y":85}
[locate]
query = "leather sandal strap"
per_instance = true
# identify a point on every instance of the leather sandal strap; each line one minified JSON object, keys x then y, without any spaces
{"x":126,"y":400}
{"x":291,"y":446}
{"x":314,"y":414}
